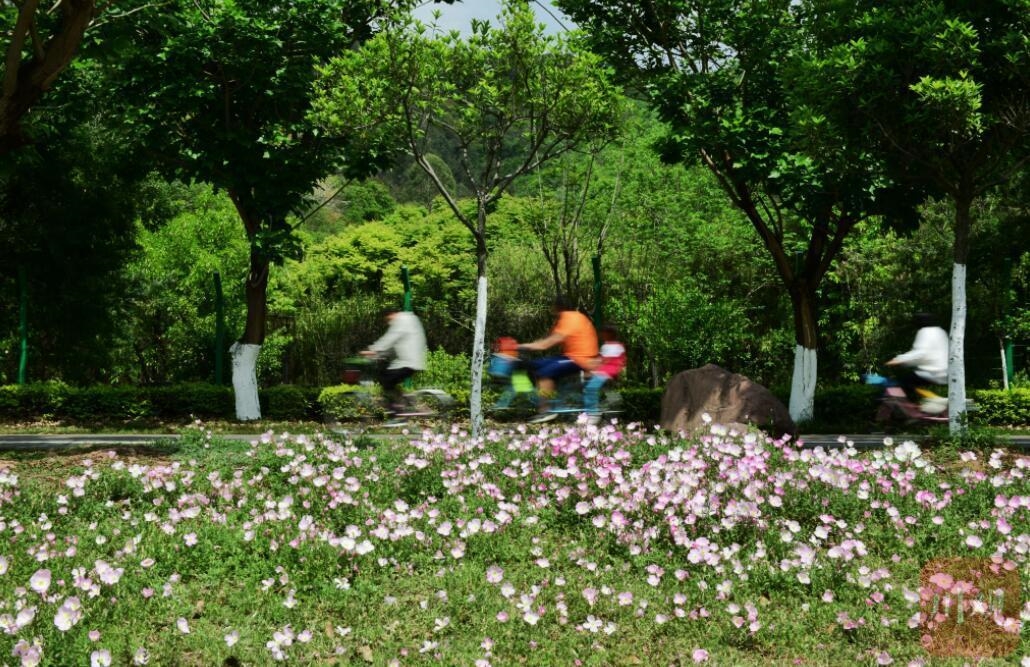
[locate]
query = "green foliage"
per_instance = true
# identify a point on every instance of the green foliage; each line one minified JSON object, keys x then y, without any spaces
{"x":683,"y":326}
{"x":67,"y":205}
{"x":348,"y":203}
{"x":641,"y":404}
{"x":194,"y":400}
{"x":1002,"y":408}
{"x":348,"y":403}
{"x":848,"y":408}
{"x":169,"y":332}
{"x":291,"y":403}
{"x":32,"y":401}
{"x":445,"y":371}
{"x":104,"y":403}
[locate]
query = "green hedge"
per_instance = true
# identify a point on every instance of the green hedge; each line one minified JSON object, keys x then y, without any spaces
{"x":641,"y":404}
{"x":840,"y":409}
{"x":53,"y":400}
{"x":997,"y":407}
{"x":851,"y":408}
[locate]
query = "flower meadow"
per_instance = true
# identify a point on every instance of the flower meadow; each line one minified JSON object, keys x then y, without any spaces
{"x":571,"y":545}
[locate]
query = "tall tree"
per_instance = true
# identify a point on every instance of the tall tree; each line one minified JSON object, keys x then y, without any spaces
{"x":512,"y":97}
{"x":40,"y":40}
{"x":718,"y":73}
{"x":67,"y":210}
{"x":945,"y":87}
{"x":226,"y":88}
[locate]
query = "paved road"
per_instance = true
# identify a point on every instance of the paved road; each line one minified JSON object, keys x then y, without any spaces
{"x":36,"y":442}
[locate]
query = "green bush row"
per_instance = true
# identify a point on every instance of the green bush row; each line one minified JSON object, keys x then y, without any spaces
{"x":54,"y":400}
{"x":843,"y":409}
{"x":997,"y":407}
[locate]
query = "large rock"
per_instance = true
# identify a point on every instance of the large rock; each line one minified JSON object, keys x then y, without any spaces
{"x":726,"y":397}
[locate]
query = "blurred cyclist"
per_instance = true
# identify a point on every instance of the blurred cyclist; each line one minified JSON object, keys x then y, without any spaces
{"x":575,"y":333}
{"x":405,"y":341}
{"x":928,"y":357}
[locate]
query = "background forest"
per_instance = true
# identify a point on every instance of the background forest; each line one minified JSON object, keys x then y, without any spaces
{"x":684,"y":276}
{"x":116,"y":253}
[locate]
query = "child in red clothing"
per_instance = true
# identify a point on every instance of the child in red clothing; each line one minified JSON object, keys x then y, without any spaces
{"x":613,"y":360}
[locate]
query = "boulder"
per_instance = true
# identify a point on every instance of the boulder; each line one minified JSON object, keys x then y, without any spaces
{"x":727,"y":397}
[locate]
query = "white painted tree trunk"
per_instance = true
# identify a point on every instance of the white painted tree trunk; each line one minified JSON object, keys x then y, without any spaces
{"x":478,"y":359}
{"x":244,"y":380}
{"x":956,"y":351}
{"x":802,"y":387}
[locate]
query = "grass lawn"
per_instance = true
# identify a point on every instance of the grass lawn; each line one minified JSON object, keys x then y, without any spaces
{"x":562,"y":546}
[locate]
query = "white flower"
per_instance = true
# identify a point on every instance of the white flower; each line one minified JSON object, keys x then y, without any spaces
{"x":101,"y":658}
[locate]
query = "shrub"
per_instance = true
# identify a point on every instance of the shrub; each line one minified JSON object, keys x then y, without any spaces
{"x":450,"y":372}
{"x":844,"y":408}
{"x":641,"y":404}
{"x":32,"y":401}
{"x":290,"y":402}
{"x":997,"y":407}
{"x":347,"y":403}
{"x":194,"y":399}
{"x":104,"y":403}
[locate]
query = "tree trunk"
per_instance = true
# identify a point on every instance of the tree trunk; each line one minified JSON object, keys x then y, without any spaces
{"x":479,"y":334}
{"x":244,"y":380}
{"x":802,"y":386}
{"x":245,"y":351}
{"x":957,"y":337}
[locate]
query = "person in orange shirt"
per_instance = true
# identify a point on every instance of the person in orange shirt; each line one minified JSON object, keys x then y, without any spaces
{"x":578,"y":338}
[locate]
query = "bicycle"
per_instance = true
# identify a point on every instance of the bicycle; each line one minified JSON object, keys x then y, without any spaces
{"x":359,"y":400}
{"x":518,"y":395}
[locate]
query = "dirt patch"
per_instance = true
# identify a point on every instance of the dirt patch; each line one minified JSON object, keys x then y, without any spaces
{"x":54,"y":466}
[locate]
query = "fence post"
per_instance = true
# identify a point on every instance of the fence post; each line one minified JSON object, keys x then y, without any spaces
{"x":23,"y":322}
{"x":1007,"y":355}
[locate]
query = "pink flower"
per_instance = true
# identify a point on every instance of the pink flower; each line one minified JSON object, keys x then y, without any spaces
{"x":232,"y":638}
{"x":974,"y":542}
{"x":943,"y":580}
{"x":183,"y":625}
{"x":699,"y":655}
{"x":40,"y":581}
{"x":494,"y":574}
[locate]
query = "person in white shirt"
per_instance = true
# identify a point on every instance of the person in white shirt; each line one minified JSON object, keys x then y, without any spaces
{"x":405,"y":341}
{"x":928,"y":357}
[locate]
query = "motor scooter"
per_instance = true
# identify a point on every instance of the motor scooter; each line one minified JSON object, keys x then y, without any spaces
{"x":895,"y":405}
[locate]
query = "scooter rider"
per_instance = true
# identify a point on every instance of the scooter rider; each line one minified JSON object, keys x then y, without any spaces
{"x":928,"y":357}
